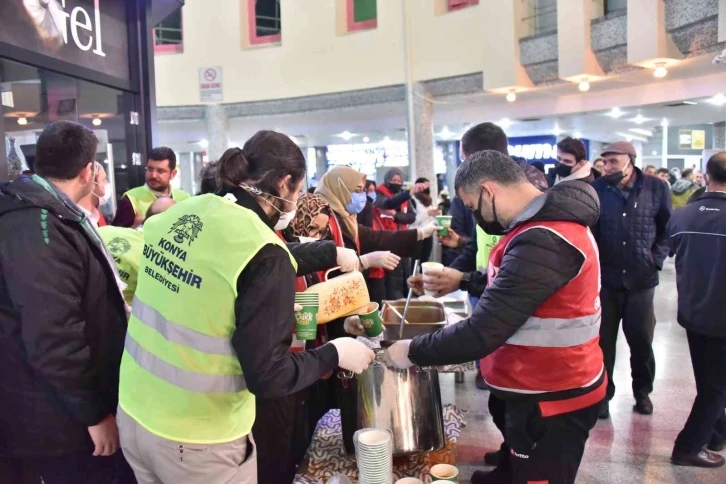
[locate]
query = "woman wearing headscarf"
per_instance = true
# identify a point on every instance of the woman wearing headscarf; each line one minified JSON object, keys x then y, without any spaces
{"x":422,"y":205}
{"x":392,"y":208}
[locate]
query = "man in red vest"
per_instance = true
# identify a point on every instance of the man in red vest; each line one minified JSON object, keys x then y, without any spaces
{"x":537,"y":323}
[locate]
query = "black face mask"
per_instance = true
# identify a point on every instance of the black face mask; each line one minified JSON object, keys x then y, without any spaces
{"x":562,"y":170}
{"x":491,"y":228}
{"x":615,"y":178}
{"x":394,"y":187}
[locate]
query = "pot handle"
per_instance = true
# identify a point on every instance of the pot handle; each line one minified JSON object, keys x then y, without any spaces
{"x":346,"y":375}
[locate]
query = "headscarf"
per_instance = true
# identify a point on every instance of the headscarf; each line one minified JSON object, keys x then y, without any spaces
{"x":332,"y":187}
{"x":309,"y":206}
{"x":391,"y":173}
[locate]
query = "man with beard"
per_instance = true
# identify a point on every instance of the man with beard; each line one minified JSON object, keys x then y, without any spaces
{"x":537,"y":322}
{"x":63,"y":320}
{"x":160,"y":171}
{"x":572,"y":163}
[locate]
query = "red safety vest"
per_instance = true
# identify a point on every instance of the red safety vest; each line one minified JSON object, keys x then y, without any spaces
{"x":558,"y":347}
{"x":387,"y":222}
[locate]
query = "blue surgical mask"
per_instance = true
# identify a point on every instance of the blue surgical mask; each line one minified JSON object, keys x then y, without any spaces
{"x":357,"y":203}
{"x":372,"y":196}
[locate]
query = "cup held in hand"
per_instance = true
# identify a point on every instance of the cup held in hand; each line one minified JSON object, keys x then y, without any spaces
{"x":431,"y":266}
{"x":445,"y":222}
{"x":370,"y":317}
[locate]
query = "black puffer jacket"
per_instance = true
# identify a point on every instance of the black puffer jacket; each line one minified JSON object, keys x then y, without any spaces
{"x":62,"y":326}
{"x":631,"y":233}
{"x":536,"y":264}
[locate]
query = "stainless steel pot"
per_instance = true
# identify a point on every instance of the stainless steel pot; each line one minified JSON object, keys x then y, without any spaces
{"x":408,"y":403}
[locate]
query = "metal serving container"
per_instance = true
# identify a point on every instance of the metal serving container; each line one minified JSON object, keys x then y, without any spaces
{"x":423,"y":317}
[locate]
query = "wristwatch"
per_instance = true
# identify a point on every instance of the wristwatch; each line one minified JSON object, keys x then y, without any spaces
{"x":464,"y":284}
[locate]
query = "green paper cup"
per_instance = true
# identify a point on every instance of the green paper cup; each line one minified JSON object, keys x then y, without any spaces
{"x":371,"y":319}
{"x":445,"y":222}
{"x":444,"y":472}
{"x":306,"y":322}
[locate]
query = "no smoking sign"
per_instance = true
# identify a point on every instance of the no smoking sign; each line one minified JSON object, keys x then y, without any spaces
{"x":210,"y":84}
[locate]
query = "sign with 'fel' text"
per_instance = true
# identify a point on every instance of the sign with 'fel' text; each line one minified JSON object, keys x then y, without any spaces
{"x":88,"y":33}
{"x":210,"y":84}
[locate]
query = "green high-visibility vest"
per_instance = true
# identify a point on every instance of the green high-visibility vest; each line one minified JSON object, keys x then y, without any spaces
{"x":180,"y":377}
{"x":141,"y":198}
{"x":125,"y":245}
{"x":484,"y":245}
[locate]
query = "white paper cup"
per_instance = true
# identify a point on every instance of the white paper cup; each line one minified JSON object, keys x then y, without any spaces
{"x":409,"y":480}
{"x":429,"y":266}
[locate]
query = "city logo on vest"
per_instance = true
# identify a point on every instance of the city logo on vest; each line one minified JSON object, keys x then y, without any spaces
{"x":186,"y":228}
{"x":119,"y":246}
{"x":54,"y":20}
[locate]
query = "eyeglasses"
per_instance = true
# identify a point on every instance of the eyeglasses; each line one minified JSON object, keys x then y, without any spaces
{"x":151,"y":170}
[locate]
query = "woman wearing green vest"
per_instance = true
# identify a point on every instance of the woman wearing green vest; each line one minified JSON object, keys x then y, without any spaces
{"x":211,"y":319}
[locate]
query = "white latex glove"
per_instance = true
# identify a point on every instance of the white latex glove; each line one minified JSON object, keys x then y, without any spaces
{"x":347,"y":259}
{"x":428,"y":230}
{"x":381,"y":260}
{"x":397,"y":355}
{"x":353,"y":355}
{"x":354,"y":326}
{"x":297,"y":307}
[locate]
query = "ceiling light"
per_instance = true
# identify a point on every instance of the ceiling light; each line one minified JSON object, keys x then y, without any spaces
{"x":204,"y":143}
{"x":642,"y":131}
{"x":584,"y":85}
{"x":630,"y":137}
{"x":578,"y":135}
{"x":22,"y":121}
{"x":504,"y":123}
{"x":664,"y":123}
{"x":557,"y":131}
{"x":615,"y":113}
{"x":690,"y":103}
{"x":96,"y":121}
{"x":639,"y":119}
{"x":445,"y":133}
{"x":512,"y":96}
{"x":346,"y":135}
{"x":366,"y":139}
{"x":718,"y":100}
{"x":655,"y":153}
{"x":386,"y":139}
{"x":660,"y":70}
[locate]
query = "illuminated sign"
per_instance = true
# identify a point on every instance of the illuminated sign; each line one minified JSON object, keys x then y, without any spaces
{"x":366,"y":158}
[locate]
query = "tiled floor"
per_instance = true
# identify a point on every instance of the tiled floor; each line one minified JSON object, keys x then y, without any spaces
{"x":629,"y":448}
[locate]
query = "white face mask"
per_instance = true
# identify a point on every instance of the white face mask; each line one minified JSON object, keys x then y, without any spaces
{"x":305,"y":240}
{"x":103,"y":200}
{"x":284,"y":220}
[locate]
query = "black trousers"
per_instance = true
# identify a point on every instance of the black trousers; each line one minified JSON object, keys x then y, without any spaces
{"x":546,"y":449}
{"x":635,"y":309}
{"x":498,"y":409}
{"x":73,"y":468}
{"x":707,"y":420}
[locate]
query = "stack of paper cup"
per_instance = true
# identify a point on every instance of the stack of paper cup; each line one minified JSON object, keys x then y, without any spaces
{"x":374,"y":455}
{"x":429,"y":266}
{"x":306,"y":320}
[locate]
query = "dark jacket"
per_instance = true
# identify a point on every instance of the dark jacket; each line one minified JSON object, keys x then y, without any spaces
{"x":462,"y":222}
{"x":62,"y":325}
{"x":537,"y":263}
{"x":697,"y":235}
{"x":384,"y":202}
{"x":631,"y":233}
{"x":594,"y":175}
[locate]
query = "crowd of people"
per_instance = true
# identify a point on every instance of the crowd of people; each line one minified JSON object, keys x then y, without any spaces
{"x":160,"y":348}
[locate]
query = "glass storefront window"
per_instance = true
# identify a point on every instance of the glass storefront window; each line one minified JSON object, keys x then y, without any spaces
{"x":33,"y":98}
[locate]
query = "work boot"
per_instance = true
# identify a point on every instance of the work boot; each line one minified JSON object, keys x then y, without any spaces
{"x":705,"y":458}
{"x":604,"y":410}
{"x":480,"y":383}
{"x":643,"y":405}
{"x":497,"y":476}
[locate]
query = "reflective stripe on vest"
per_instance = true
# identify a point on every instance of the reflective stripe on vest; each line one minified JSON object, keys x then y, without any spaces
{"x":176,"y":333}
{"x":553,"y":332}
{"x":188,"y":380}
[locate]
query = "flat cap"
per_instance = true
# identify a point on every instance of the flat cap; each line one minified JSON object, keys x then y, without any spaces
{"x":620,"y":148}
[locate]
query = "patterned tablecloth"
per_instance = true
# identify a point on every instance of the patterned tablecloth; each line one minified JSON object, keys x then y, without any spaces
{"x":327,"y":455}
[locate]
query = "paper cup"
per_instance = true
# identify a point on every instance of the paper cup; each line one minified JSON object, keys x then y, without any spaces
{"x":445,"y":473}
{"x":409,"y":480}
{"x":428,"y":266}
{"x":371,"y":319}
{"x":445,"y":222}
{"x":306,"y":321}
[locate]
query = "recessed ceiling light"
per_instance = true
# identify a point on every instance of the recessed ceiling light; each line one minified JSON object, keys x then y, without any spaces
{"x":655,"y":153}
{"x":639,"y":119}
{"x":22,"y":121}
{"x":504,"y":123}
{"x":96,"y":121}
{"x":204,"y":143}
{"x":557,"y":131}
{"x":718,"y":100}
{"x":346,"y":135}
{"x":366,"y":139}
{"x":445,"y":133}
{"x":690,"y":103}
{"x":584,"y":85}
{"x":660,"y":70}
{"x":664,"y":123}
{"x":512,"y":96}
{"x":578,"y":135}
{"x":386,"y":139}
{"x":615,"y":113}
